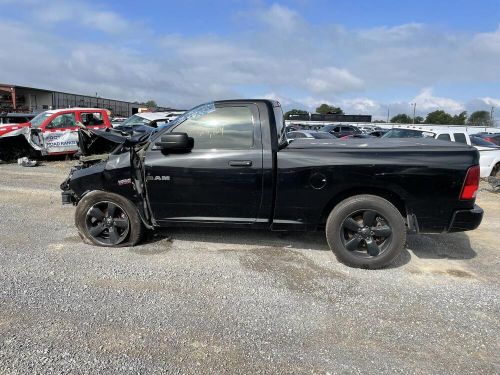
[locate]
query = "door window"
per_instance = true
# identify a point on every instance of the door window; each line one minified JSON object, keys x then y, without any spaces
{"x":91,"y":118}
{"x":66,"y":120}
{"x":223,"y":128}
{"x":460,"y":137}
{"x":444,"y":137}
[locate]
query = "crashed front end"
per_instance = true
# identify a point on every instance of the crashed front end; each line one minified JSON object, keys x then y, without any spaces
{"x":109,"y":162}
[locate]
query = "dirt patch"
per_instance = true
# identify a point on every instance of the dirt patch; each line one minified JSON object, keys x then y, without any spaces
{"x":292,"y":269}
{"x":73,"y":239}
{"x":459,"y":273}
{"x":423,"y":268}
{"x":56,"y":247}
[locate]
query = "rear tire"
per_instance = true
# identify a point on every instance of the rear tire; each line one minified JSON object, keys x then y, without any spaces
{"x":366,"y":231}
{"x":108,"y":219}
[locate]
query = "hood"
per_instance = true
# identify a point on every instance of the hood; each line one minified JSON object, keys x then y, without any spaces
{"x":9,"y":130}
{"x":94,"y":142}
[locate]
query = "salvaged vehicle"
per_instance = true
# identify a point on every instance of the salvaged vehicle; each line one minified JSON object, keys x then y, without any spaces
{"x":53,"y":132}
{"x":229,"y":164}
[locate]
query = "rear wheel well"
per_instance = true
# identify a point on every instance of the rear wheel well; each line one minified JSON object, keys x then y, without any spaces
{"x":495,"y":172}
{"x":392,"y":197}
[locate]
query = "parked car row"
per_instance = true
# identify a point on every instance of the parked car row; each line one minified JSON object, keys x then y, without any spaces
{"x":488,"y":144}
{"x":55,"y":132}
{"x":337,"y":131}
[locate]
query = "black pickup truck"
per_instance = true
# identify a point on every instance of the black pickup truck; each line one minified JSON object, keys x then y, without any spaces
{"x":229,"y":164}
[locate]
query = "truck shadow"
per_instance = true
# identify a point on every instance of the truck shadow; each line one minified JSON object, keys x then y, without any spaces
{"x":454,"y":246}
{"x":253,"y":238}
{"x":441,"y":246}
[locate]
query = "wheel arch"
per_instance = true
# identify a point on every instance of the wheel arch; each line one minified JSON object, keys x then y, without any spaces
{"x":389,"y":195}
{"x":139,"y":207}
{"x":496,"y":169}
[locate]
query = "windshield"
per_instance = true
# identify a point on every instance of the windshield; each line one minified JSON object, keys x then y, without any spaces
{"x":193,"y":113}
{"x":407,"y":133}
{"x":478,"y":141}
{"x":38,"y":120}
{"x":135,"y":120}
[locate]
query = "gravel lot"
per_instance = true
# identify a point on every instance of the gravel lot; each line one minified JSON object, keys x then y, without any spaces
{"x":231,"y":301}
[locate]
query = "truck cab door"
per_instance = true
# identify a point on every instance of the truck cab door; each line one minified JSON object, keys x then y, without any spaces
{"x":220,"y":179}
{"x":60,"y":135}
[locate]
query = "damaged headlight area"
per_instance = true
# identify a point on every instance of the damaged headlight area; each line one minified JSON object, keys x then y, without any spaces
{"x":108,"y":162}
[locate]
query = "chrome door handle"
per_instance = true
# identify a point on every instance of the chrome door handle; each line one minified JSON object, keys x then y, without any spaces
{"x":240,"y":163}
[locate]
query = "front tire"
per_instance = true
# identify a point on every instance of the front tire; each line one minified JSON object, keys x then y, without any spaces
{"x":366,"y":231}
{"x":108,"y":219}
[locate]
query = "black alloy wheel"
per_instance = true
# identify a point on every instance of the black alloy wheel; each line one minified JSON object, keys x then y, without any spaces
{"x":107,"y":223}
{"x":366,"y":233}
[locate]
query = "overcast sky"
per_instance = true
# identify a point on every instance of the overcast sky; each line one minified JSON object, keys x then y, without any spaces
{"x":365,"y":56}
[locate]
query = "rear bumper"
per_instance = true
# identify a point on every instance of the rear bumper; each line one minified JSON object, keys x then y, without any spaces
{"x":463,"y":220}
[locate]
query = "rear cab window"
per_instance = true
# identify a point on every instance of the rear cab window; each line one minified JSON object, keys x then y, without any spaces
{"x":444,"y":137}
{"x":460,"y":137}
{"x":91,"y":118}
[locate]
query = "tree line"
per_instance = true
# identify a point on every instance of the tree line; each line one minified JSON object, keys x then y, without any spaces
{"x":439,"y":117}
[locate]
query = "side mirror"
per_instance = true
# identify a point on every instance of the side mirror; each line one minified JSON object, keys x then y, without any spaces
{"x":175,"y":142}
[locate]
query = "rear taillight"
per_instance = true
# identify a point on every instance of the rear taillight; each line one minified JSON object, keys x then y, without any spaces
{"x":471,"y":184}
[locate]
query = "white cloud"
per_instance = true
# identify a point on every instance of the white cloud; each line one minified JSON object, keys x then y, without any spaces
{"x":77,"y":12}
{"x":279,"y":17}
{"x":281,"y":54}
{"x":427,"y":101}
{"x":332,"y":80}
{"x":492,"y":102}
{"x":360,"y":106}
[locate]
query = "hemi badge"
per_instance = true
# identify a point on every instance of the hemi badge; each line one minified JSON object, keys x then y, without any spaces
{"x":126,"y":181}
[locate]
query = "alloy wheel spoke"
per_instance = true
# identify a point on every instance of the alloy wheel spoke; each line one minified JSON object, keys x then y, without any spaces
{"x":111,"y":209}
{"x":351,"y":224}
{"x":97,"y":213}
{"x":372,"y":247}
{"x":353,"y":243}
{"x":369,"y":217}
{"x":97,"y":230}
{"x":120,"y":223}
{"x":113,"y":235}
{"x":382,"y":231}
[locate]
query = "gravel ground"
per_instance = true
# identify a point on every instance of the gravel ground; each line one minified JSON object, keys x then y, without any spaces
{"x":231,"y":301}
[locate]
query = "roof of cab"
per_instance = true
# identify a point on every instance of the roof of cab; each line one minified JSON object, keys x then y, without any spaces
{"x":52,"y":111}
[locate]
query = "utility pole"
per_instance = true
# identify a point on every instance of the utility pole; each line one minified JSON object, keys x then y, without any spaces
{"x":387,"y":114}
{"x":414,"y":109}
{"x":491,"y":116}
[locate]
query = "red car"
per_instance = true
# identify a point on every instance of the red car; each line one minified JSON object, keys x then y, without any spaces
{"x":51,"y":132}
